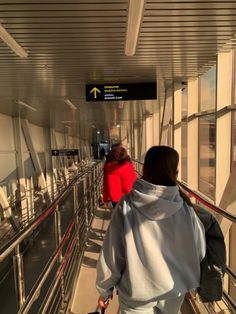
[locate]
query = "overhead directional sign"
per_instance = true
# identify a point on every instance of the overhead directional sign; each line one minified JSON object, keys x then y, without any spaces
{"x":65,"y":152}
{"x":110,"y":92}
{"x":94,"y":91}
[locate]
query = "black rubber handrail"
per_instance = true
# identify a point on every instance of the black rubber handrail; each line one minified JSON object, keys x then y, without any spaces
{"x":231,"y":273}
{"x":229,"y":300}
{"x":202,"y":200}
{"x":216,"y":209}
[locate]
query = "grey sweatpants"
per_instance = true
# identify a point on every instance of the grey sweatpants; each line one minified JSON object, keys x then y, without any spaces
{"x":171,"y":306}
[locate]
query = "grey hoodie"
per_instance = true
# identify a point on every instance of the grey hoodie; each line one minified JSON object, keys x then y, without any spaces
{"x":153,"y":246}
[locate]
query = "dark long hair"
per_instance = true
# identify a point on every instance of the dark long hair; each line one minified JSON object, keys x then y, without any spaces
{"x":161,"y":168}
{"x":119,"y":154}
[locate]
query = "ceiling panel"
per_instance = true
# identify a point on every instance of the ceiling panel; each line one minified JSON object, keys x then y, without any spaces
{"x":71,"y":43}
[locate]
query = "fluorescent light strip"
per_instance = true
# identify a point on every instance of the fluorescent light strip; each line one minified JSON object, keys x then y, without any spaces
{"x":12,"y":44}
{"x":21,"y":103}
{"x":69,"y":104}
{"x":135,"y":14}
{"x":67,"y":121}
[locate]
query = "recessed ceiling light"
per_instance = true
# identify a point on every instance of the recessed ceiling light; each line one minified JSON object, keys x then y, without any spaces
{"x":135,"y":14}
{"x":22,"y":103}
{"x":66,"y":121}
{"x":69,"y":104}
{"x":11,"y":43}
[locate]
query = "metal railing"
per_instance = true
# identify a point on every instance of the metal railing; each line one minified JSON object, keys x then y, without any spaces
{"x":232,"y":275}
{"x":203,"y":201}
{"x":62,"y":230}
{"x":25,"y":206}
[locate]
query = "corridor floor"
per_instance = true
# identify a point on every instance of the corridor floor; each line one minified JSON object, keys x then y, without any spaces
{"x":86,"y":295}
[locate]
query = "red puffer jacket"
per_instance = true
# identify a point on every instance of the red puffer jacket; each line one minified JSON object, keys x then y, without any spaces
{"x":118,"y":180}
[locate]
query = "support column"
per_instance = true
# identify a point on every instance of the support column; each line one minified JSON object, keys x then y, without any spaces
{"x":192,"y":137}
{"x":20,"y":166}
{"x":156,"y":123}
{"x":149,"y":132}
{"x":48,"y":161}
{"x":177,"y":122}
{"x":35,"y":158}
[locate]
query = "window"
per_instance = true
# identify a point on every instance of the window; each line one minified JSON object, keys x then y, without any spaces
{"x":207,"y":146}
{"x":207,"y":133}
{"x":208,"y":90}
{"x":166,"y":131}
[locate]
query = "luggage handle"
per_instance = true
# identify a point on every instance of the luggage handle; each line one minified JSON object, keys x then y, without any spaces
{"x":102,"y":311}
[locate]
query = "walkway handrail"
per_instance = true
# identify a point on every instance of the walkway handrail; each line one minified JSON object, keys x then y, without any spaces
{"x":230,"y":300}
{"x":7,"y":248}
{"x":231,"y":273}
{"x":202,"y":200}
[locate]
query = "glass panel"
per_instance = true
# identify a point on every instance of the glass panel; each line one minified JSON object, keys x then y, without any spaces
{"x":208,"y":90}
{"x":234,"y":136}
{"x":207,"y":145}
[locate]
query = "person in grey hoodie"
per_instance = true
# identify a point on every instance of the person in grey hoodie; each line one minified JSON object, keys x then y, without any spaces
{"x":155,"y":242}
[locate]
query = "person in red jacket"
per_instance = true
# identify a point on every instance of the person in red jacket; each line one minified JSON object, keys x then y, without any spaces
{"x":119,"y":175}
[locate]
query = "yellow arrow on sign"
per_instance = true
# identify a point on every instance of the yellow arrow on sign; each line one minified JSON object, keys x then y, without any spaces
{"x":95,"y":90}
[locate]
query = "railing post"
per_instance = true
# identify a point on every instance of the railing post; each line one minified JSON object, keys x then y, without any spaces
{"x":58,"y":241}
{"x":85,"y":201}
{"x":90,"y":195}
{"x":75,"y":198}
{"x":100,"y":173}
{"x":97,"y":183}
{"x":19,"y":276}
{"x":76,"y":207}
{"x":94,"y":188}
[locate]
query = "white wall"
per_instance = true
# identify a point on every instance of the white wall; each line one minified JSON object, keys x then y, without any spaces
{"x":7,"y":148}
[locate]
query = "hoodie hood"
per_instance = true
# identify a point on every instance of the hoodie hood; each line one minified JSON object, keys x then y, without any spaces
{"x":155,"y":202}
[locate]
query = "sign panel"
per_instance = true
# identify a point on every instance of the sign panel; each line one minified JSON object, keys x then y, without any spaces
{"x":116,"y":92}
{"x":65,"y":152}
